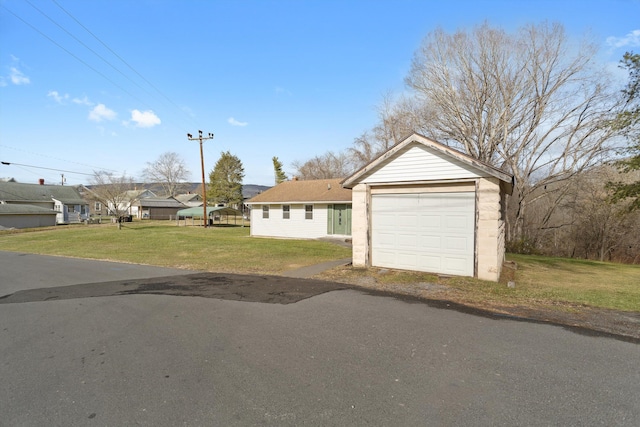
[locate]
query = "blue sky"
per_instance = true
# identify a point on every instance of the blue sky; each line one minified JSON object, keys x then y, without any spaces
{"x":113,"y":84}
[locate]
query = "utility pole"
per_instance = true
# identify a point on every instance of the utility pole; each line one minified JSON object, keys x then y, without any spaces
{"x":204,"y":189}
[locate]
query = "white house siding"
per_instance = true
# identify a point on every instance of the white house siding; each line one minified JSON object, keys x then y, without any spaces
{"x":294,"y":227}
{"x":420,"y":163}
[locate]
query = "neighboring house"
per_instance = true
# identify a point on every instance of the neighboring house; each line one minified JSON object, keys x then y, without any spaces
{"x":157,"y":207}
{"x":249,"y":191}
{"x":190,"y":199}
{"x":302,"y":209}
{"x":66,"y":201}
{"x":130,"y":202}
{"x":424,"y":206}
{"x":26,"y":216}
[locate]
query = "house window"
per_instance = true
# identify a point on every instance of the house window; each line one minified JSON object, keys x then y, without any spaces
{"x":97,"y":206}
{"x":308,"y":211}
{"x":265,"y":212}
{"x":286,"y":211}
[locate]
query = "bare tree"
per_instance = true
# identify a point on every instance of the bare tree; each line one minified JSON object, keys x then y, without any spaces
{"x":328,"y":165}
{"x":114,"y":192}
{"x":530,"y":102}
{"x":168,"y":170}
{"x":397,"y":119}
{"x":585,"y":224}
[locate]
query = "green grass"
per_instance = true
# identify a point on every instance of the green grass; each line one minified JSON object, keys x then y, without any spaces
{"x":221,"y":249}
{"x":575,"y":281}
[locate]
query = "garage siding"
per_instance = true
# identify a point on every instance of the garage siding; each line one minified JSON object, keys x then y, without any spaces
{"x":432,"y":232}
{"x":419,"y":163}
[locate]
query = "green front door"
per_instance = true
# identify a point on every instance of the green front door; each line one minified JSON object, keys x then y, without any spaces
{"x":342,"y":219}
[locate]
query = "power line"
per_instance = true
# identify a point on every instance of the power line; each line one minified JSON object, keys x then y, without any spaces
{"x":72,"y":55}
{"x":121,"y":59}
{"x":84,"y":44}
{"x":57,"y":158}
{"x":41,"y":167}
{"x":93,"y":68}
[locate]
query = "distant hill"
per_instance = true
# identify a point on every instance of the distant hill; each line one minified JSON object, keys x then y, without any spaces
{"x":248,"y":190}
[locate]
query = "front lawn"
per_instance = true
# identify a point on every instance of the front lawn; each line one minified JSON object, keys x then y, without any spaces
{"x":162,"y":243}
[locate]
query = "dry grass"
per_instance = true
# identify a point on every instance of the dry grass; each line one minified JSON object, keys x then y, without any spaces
{"x":564,"y":284}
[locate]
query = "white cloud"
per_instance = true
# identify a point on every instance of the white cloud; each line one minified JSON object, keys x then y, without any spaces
{"x":631,"y":39}
{"x":145,"y":119}
{"x":82,"y":101}
{"x":57,"y":97}
{"x":100,"y":113}
{"x":17,"y":78}
{"x":234,"y":122}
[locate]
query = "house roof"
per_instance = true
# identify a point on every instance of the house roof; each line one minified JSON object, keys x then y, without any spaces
{"x":415,"y":138}
{"x":159,"y":202}
{"x":18,"y":192}
{"x":17,"y":209}
{"x":317,"y":190}
{"x":138,"y":194}
{"x":184,"y":198}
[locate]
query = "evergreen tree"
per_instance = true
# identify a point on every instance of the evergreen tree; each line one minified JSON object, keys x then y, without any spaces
{"x":628,"y":122}
{"x":277,"y":167}
{"x":225,"y":180}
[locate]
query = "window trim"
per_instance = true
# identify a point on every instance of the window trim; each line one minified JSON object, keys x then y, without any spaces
{"x":308,"y":212}
{"x":265,"y":211}
{"x":286,"y":211}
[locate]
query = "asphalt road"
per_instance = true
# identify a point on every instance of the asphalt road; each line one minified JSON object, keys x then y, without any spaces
{"x":93,"y":343}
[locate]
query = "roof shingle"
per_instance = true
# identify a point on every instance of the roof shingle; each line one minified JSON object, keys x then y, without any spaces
{"x":318,"y":190}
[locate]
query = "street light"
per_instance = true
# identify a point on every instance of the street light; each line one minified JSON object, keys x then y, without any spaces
{"x":204,"y":190}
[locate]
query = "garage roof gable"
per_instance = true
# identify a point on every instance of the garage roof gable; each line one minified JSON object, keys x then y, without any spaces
{"x":418,"y":157}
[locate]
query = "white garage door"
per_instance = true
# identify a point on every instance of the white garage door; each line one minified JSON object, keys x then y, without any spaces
{"x":431,"y":232}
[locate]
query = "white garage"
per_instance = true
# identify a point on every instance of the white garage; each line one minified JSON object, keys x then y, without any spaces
{"x":423,"y":206}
